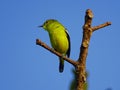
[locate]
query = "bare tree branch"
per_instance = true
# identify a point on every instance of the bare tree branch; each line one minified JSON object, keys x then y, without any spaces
{"x":81,"y":68}
{"x":87,"y":32}
{"x":39,"y":42}
{"x":80,"y":64}
{"x":101,"y":26}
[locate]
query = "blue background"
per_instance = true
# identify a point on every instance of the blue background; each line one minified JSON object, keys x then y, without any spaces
{"x":26,"y":66}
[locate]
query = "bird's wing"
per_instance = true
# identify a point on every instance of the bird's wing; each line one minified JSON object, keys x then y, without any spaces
{"x":69,"y":47}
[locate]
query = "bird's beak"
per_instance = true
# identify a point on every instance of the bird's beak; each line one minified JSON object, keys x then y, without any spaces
{"x":40,"y":26}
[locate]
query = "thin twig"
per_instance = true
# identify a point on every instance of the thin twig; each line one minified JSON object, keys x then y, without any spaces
{"x":39,"y":42}
{"x":101,"y":26}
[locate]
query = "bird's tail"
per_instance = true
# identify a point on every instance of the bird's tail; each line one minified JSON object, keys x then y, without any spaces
{"x":61,"y":65}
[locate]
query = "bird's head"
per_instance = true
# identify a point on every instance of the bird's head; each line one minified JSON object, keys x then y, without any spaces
{"x":51,"y":24}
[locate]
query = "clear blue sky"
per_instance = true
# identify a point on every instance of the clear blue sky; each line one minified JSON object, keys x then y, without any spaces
{"x":26,"y":66}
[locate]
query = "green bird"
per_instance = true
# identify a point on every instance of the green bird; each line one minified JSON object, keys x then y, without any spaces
{"x":59,"y":39}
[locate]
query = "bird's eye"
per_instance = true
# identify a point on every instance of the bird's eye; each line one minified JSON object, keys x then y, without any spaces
{"x":46,"y":22}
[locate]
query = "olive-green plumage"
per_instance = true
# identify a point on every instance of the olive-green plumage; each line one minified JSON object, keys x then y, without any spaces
{"x":59,"y":38}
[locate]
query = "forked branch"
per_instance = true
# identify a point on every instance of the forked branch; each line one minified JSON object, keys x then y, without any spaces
{"x":80,"y":64}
